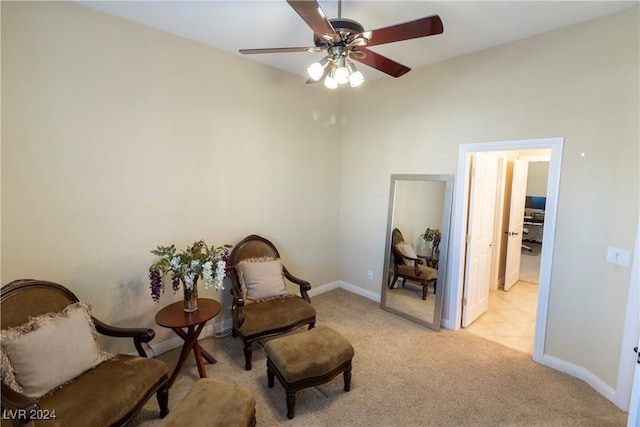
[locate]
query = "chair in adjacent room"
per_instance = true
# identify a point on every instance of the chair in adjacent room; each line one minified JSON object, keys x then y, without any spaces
{"x":53,"y":368}
{"x":407,"y":265}
{"x":262,"y":304}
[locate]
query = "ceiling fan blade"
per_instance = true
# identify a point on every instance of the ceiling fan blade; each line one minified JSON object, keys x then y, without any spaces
{"x":281,"y":50}
{"x":314,"y":16}
{"x":423,"y":27}
{"x":381,"y":63}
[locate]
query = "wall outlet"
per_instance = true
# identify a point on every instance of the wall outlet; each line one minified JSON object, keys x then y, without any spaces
{"x":618,"y":256}
{"x":370,"y":275}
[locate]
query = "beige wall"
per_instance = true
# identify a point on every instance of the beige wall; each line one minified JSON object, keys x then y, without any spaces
{"x":579,"y":83}
{"x":418,"y":205}
{"x":117,"y":138}
{"x":537,"y":178}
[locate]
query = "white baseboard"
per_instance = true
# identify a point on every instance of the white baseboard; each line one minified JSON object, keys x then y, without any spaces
{"x":581,"y":373}
{"x":317,"y":290}
{"x":346,"y":286}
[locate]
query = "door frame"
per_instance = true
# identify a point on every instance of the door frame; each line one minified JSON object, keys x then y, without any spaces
{"x":453,"y":294}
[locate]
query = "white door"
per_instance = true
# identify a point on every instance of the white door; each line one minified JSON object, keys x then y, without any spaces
{"x":482,"y":205}
{"x":516,"y":218}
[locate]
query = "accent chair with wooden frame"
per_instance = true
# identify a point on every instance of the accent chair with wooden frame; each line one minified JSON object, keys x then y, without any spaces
{"x":406,"y":266}
{"x":262,"y":305}
{"x":110,"y":393}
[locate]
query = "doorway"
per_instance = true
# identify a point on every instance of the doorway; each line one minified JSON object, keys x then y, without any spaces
{"x":455,"y":292}
{"x":509,"y":318}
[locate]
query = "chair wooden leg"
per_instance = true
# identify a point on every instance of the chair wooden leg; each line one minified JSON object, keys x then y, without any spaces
{"x":393,"y":282}
{"x":270,"y":377}
{"x":248,"y":355}
{"x":425,"y":289}
{"x":163,"y":400}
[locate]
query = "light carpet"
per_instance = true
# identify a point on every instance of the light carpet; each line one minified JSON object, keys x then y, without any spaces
{"x":405,"y":375}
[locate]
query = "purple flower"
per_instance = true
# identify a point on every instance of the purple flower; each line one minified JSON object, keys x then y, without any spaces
{"x":156,"y":284}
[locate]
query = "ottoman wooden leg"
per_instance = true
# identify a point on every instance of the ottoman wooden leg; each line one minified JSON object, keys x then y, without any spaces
{"x":269,"y":377}
{"x":291,"y":404}
{"x":347,"y":379}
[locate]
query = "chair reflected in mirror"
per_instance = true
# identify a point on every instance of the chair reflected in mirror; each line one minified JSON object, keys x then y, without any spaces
{"x":417,"y":201}
{"x":408,"y":265}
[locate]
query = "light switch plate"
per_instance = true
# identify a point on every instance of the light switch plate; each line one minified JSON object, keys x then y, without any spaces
{"x":618,"y":256}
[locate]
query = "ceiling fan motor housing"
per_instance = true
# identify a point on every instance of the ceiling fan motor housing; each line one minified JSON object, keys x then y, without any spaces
{"x":344,"y":27}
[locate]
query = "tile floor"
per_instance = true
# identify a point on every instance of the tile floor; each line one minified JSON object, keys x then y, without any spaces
{"x":510,"y":319}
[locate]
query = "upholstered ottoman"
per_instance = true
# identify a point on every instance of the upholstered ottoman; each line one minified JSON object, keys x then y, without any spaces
{"x":308,"y":359}
{"x":214,"y":403}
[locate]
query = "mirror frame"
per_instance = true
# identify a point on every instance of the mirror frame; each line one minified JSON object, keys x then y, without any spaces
{"x":444,"y":245}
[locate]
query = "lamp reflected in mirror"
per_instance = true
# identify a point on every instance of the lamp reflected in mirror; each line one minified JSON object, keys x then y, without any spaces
{"x":416,"y":247}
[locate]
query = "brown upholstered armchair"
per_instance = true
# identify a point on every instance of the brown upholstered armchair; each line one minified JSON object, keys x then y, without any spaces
{"x":262,"y":305}
{"x":407,"y":265}
{"x":109,"y":394}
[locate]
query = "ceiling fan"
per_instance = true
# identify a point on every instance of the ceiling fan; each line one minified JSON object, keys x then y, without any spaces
{"x":344,"y":40}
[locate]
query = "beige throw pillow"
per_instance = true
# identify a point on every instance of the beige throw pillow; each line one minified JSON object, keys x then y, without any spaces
{"x":407,"y":250}
{"x":50,"y":350}
{"x":261,"y":279}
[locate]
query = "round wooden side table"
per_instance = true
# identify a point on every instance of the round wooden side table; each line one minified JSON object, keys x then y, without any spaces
{"x":174,"y":317}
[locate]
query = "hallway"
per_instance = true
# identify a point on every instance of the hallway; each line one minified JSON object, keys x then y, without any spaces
{"x":511,"y":316}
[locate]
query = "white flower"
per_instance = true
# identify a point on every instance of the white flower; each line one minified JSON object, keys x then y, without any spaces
{"x":207,"y":273}
{"x":175,"y":263}
{"x":220,"y":273}
{"x":188,"y":280}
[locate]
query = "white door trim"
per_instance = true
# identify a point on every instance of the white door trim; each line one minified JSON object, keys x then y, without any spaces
{"x":453,"y":293}
{"x":628,"y":380}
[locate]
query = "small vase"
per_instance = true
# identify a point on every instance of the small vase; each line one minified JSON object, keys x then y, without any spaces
{"x":190,"y":297}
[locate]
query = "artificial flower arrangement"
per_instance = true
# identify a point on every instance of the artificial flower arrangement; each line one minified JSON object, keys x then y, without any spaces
{"x":197,"y":261}
{"x":433,"y":235}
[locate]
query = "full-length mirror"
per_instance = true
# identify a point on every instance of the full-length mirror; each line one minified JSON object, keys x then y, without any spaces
{"x":416,"y":247}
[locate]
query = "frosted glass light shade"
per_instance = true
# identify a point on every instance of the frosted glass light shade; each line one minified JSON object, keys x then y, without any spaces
{"x":330,"y":83}
{"x":356,"y":79}
{"x":342,"y":75}
{"x":315,"y":70}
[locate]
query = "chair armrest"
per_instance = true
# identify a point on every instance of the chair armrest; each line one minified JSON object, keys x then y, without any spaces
{"x":416,"y":263}
{"x":303,"y":284}
{"x":237,"y":307}
{"x":17,"y":406}
{"x":139,"y":335}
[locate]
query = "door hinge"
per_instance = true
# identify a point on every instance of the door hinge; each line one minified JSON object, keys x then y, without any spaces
{"x":464,"y":302}
{"x":468,"y":238}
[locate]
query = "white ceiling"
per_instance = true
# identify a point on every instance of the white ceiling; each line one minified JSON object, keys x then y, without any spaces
{"x":469,"y":26}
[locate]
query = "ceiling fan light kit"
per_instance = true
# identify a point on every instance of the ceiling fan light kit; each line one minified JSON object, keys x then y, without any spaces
{"x":344,"y":40}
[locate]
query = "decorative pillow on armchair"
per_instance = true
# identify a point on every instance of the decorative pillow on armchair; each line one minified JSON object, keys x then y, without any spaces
{"x":407,"y":250}
{"x":50,"y":350}
{"x":261,"y":279}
